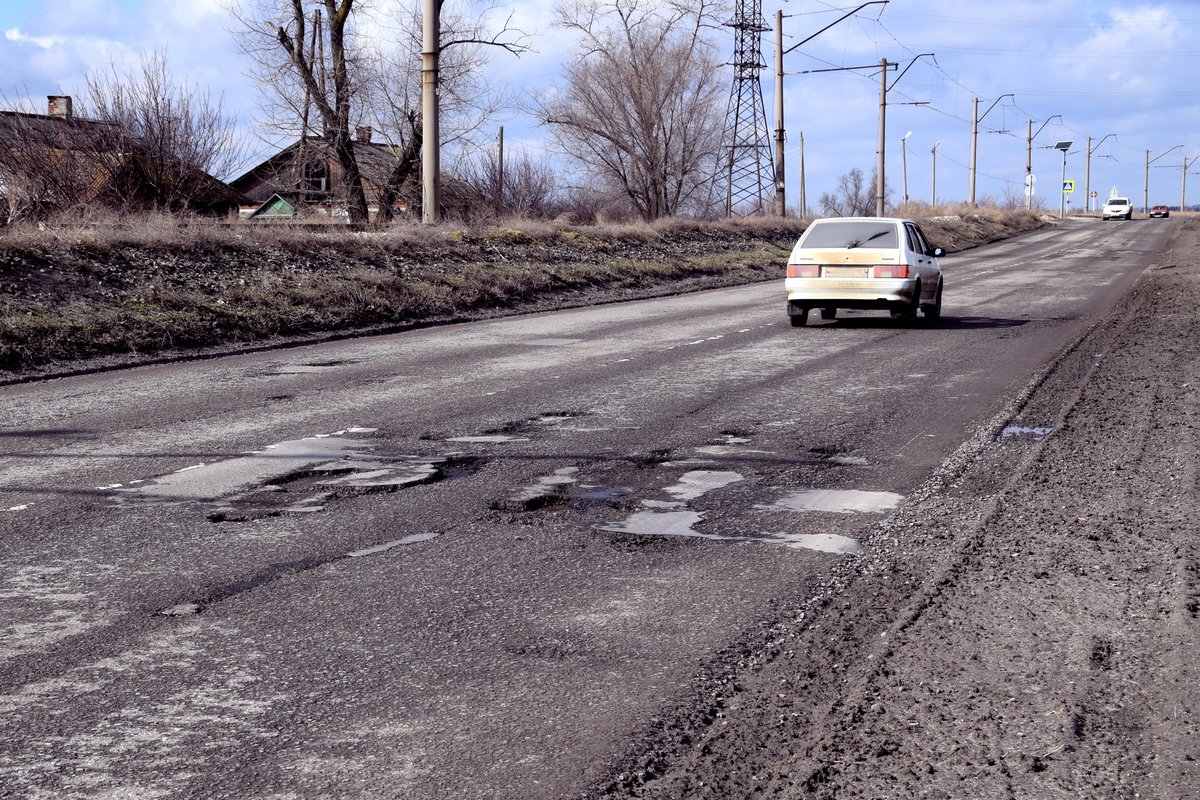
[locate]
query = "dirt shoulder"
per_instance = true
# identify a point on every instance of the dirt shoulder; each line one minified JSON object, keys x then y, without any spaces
{"x":1031,"y":635}
{"x":80,"y":299}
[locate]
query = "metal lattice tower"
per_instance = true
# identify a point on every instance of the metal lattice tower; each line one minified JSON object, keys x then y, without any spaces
{"x":747,"y":167}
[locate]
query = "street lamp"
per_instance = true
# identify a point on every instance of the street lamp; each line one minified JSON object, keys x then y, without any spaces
{"x":1087,"y":170}
{"x":933,"y":192}
{"x":1146,"y":182}
{"x":780,"y":185}
{"x":1183,"y":189}
{"x":975,"y":120}
{"x":1029,"y":137}
{"x":1062,"y":203}
{"x":904,"y":163}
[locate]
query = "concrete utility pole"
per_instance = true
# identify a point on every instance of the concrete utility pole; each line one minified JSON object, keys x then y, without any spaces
{"x":1029,"y":137}
{"x":500,"y":171}
{"x":431,"y":186}
{"x":1146,"y":183}
{"x":975,"y":120}
{"x":780,"y":183}
{"x":803,"y":197}
{"x":879,"y":181}
{"x":1087,"y":170}
{"x":933,"y":191}
{"x":904,"y":163}
{"x":1183,"y":189}
{"x":780,"y":175}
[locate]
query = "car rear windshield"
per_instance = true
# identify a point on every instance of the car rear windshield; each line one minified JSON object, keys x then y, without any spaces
{"x":1118,"y":201}
{"x":851,"y":233}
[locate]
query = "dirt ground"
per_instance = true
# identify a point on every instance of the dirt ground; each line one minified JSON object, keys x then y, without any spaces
{"x":1027,"y":627}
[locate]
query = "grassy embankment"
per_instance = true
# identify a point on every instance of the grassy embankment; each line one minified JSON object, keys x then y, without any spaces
{"x":158,"y":286}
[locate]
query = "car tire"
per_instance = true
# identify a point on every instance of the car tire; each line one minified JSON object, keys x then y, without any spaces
{"x":799,"y":319}
{"x":1129,"y":215}
{"x":828,"y":313}
{"x":934,"y":312}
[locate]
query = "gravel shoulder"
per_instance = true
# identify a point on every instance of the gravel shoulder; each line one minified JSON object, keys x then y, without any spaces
{"x":1026,"y":626}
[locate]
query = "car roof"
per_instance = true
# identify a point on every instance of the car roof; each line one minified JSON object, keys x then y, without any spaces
{"x":821,"y":220}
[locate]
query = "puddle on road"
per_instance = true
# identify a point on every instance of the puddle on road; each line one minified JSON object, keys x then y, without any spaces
{"x":663,"y":523}
{"x":680,"y":523}
{"x":823,"y":542}
{"x":699,"y":482}
{"x":296,"y":477}
{"x":1018,"y":431}
{"x":489,"y":439}
{"x":838,"y":501}
{"x":562,"y":486}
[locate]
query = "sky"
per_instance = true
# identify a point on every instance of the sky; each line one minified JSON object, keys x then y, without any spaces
{"x":1119,"y":72}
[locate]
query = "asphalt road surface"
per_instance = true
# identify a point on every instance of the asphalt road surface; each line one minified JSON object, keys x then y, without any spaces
{"x":521,"y":558}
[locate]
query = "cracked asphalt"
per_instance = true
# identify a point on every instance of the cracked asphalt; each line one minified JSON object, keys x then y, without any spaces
{"x":669,"y":548}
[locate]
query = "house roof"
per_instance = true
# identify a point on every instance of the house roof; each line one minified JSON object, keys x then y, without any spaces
{"x":376,"y":160}
{"x":114,"y":150}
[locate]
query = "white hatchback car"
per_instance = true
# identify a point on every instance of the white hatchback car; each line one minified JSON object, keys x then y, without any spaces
{"x":863,"y":263}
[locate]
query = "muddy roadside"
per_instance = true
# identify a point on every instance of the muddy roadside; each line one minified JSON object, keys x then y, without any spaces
{"x":1028,"y":625}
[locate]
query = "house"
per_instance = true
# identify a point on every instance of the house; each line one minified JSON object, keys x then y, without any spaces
{"x":306,"y":176}
{"x":58,"y":160}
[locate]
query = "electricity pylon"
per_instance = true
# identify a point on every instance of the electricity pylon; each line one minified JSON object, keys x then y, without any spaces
{"x":747,"y":171}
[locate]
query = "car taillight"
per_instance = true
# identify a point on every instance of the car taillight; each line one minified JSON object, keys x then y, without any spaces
{"x":803,"y":271}
{"x":891,"y":271}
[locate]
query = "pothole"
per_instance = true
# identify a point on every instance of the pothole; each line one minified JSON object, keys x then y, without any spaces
{"x":1023,"y":432}
{"x":293,"y":477}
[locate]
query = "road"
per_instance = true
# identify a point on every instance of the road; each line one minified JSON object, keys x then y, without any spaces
{"x":487,"y":560}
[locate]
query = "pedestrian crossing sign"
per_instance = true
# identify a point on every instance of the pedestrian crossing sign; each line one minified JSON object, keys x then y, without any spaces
{"x":1068,"y":187}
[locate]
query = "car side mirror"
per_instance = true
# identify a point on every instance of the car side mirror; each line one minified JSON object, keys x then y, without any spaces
{"x":938,"y":252}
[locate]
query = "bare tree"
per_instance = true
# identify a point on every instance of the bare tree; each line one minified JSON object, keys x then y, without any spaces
{"x":174,"y":131}
{"x":854,"y":197}
{"x":641,"y":106}
{"x":527,"y":187}
{"x":140,"y":138}
{"x":364,"y":80}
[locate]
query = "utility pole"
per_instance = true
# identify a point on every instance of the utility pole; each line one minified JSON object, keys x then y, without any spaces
{"x":500,"y":172}
{"x":879,"y":182}
{"x":1146,"y":184}
{"x":780,"y":184}
{"x":803,"y":198}
{"x":780,"y":175}
{"x":904,"y":163}
{"x":933,"y":192}
{"x":431,"y":188}
{"x":1029,"y":137}
{"x":975,"y":120}
{"x":1087,"y":169}
{"x":1183,"y":190}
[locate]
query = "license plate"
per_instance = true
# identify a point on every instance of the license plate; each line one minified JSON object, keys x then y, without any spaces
{"x":847,"y":272}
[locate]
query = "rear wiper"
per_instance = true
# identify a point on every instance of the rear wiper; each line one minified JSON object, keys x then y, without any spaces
{"x":857,"y":243}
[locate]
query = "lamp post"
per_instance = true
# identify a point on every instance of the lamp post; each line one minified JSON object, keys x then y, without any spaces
{"x":1029,"y":136}
{"x":1062,"y":203}
{"x":780,"y":182}
{"x":1183,"y":188}
{"x":1146,"y":182}
{"x":933,"y":191}
{"x":1087,"y":169}
{"x":904,"y":163}
{"x":975,"y":120}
